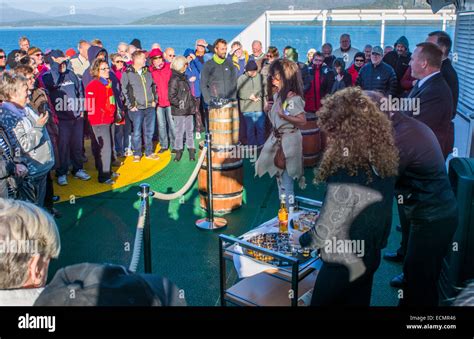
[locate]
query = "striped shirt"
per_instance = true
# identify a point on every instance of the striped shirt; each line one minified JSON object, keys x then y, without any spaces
{"x":7,"y":156}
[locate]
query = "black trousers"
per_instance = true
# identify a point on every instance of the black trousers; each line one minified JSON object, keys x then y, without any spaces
{"x":405,"y":224}
{"x":333,"y":288}
{"x":428,"y":244}
{"x":71,"y":138}
{"x":48,"y":199}
{"x":102,"y":144}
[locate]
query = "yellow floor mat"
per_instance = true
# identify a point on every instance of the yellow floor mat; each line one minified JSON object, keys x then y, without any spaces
{"x":130,"y":173}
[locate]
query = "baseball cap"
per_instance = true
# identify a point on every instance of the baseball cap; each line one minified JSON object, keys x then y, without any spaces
{"x":90,"y":284}
{"x":188,"y":52}
{"x":377,"y":50}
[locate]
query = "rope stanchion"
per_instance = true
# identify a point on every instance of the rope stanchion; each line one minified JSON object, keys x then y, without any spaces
{"x":137,"y":246}
{"x":210,"y":223}
{"x":187,"y":186}
{"x":145,"y":195}
{"x":143,"y":236}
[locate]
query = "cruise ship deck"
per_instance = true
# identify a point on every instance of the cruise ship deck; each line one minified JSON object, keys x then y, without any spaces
{"x":99,"y":226}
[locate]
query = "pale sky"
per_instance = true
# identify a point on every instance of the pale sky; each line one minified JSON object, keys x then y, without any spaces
{"x":153,"y":5}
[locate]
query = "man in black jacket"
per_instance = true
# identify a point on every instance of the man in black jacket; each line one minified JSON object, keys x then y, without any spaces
{"x":434,"y":108}
{"x":444,"y":42}
{"x":218,"y":76}
{"x":428,"y":202}
{"x":399,"y":59}
{"x":435,"y":101}
{"x":377,"y":75}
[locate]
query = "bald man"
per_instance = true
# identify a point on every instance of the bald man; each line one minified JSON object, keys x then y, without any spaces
{"x":169,"y":54}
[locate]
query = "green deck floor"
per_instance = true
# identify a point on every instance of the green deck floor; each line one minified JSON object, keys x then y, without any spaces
{"x":101,"y":229}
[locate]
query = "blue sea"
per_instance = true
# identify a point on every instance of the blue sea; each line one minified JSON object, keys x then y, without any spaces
{"x":182,"y":37}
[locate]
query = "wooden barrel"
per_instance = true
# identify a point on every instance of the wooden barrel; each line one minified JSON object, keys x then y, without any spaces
{"x":227,"y":181}
{"x":224,"y":124}
{"x":311,"y":140}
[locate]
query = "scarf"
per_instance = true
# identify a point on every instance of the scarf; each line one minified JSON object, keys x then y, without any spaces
{"x":317,"y":87}
{"x":19,"y":112}
{"x":218,"y":60}
{"x":236,"y":60}
{"x":109,"y":91}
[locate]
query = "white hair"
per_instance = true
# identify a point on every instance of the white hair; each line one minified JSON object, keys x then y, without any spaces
{"x":10,"y":84}
{"x":178,"y":63}
{"x":22,"y":223}
{"x":122,"y":44}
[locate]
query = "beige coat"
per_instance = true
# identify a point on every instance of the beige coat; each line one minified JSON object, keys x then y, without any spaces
{"x":292,"y":141}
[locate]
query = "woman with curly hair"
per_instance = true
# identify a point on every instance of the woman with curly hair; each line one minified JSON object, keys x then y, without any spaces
{"x":286,"y":116}
{"x":359,"y":167}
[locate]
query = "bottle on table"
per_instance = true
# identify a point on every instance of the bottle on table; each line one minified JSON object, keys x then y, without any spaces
{"x":283,"y":215}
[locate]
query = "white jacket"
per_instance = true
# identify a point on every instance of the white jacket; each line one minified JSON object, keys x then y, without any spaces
{"x":19,"y":297}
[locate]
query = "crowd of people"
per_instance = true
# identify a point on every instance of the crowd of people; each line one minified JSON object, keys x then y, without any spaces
{"x":125,"y":102}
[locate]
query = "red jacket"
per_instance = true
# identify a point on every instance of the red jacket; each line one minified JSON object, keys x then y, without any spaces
{"x":319,"y":89}
{"x":162,"y":77}
{"x":354,"y":74}
{"x":406,"y":83}
{"x":118,"y":72}
{"x":100,"y":102}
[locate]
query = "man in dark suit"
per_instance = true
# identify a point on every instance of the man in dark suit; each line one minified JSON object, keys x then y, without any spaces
{"x":444,"y":42}
{"x":435,"y":101}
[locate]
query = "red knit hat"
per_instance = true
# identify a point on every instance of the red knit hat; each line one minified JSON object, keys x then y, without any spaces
{"x":155,"y":52}
{"x":70,"y":52}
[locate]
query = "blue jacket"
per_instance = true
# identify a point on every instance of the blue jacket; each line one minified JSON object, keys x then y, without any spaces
{"x":193,"y":71}
{"x":65,"y":90}
{"x":381,"y":78}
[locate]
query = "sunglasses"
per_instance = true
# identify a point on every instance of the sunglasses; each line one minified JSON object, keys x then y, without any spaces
{"x":2,"y":57}
{"x":119,"y":61}
{"x":377,"y":54}
{"x":39,"y":54}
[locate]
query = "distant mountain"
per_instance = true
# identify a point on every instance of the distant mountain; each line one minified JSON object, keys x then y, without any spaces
{"x":111,"y":15}
{"x":247,"y":11}
{"x":238,"y":13}
{"x":64,"y":16}
{"x":90,"y":19}
{"x":9,"y":14}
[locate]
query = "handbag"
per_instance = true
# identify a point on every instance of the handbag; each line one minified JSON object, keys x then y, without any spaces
{"x":26,"y":190}
{"x":119,"y":116}
{"x":279,"y":160}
